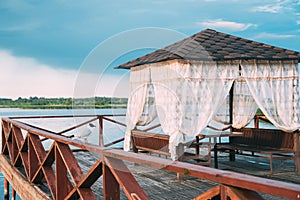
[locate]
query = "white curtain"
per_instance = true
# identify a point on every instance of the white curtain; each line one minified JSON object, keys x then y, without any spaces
{"x":138,"y":103}
{"x":274,"y":86}
{"x":188,"y":95}
{"x":244,"y":106}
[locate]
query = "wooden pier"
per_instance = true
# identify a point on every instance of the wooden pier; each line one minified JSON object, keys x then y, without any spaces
{"x":101,"y":172}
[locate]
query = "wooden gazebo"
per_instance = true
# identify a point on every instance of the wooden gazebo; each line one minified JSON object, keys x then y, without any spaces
{"x":190,"y":80}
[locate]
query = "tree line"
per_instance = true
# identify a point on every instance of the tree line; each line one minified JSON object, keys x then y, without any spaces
{"x":60,"y":103}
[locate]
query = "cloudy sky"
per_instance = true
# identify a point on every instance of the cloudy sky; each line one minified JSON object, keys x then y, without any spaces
{"x":46,"y":47}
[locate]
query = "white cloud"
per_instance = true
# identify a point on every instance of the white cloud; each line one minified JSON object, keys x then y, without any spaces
{"x":273,"y":36}
{"x":225,"y":25}
{"x":114,"y":86}
{"x":278,"y":6}
{"x":25,"y":77}
{"x":298,"y":21}
{"x":268,"y":8}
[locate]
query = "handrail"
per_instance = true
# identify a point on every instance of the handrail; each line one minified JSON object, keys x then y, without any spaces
{"x":114,"y":142}
{"x":64,"y":116}
{"x":111,"y":156}
{"x":114,"y":121}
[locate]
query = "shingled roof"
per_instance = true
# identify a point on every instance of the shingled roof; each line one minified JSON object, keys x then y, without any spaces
{"x":213,"y":45}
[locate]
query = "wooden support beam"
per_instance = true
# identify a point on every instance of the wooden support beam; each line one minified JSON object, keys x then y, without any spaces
{"x":3,"y":141}
{"x":32,"y":160}
{"x":83,"y":187}
{"x":211,"y":193}
{"x":70,"y":162}
{"x":92,"y":176}
{"x":37,"y":154}
{"x":14,"y":148}
{"x":223,"y":195}
{"x":18,"y":136}
{"x":124,"y":178}
{"x":24,"y":189}
{"x":86,"y":194}
{"x":111,"y":188}
{"x":74,"y":170}
{"x":61,"y":179}
{"x":25,"y":156}
{"x":38,"y":147}
{"x":6,"y":129}
{"x":46,"y":171}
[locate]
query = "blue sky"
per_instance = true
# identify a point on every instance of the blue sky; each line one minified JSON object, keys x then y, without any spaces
{"x":43,"y":44}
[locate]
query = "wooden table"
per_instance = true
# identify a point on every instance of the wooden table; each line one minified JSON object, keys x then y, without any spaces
{"x":214,"y":138}
{"x":220,"y":135}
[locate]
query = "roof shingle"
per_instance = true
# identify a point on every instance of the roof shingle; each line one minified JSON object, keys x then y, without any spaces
{"x":213,"y":45}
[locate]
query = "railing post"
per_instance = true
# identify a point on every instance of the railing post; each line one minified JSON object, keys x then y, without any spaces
{"x":223,"y":195}
{"x":61,"y":178}
{"x":101,"y":142}
{"x":111,"y":188}
{"x":297,"y":153}
{"x":13,"y":194}
{"x":6,"y":189}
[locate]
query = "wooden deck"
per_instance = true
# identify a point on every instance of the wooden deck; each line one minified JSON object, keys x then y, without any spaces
{"x":163,"y":184}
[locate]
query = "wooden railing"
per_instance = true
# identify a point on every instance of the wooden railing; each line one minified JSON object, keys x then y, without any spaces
{"x":26,"y":164}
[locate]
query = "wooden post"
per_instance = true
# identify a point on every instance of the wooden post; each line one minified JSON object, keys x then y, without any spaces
{"x":111,"y":188}
{"x":223,"y":195}
{"x":231,"y":104}
{"x":180,"y":154}
{"x":197,"y":147}
{"x":216,"y":155}
{"x":13,"y":194}
{"x":2,"y":137}
{"x":61,"y":176}
{"x":101,"y":142}
{"x":231,"y":93}
{"x":256,"y":121}
{"x":297,"y":153}
{"x":6,"y":189}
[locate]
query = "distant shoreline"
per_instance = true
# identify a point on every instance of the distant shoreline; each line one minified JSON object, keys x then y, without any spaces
{"x":64,"y":107}
{"x":64,"y":103}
